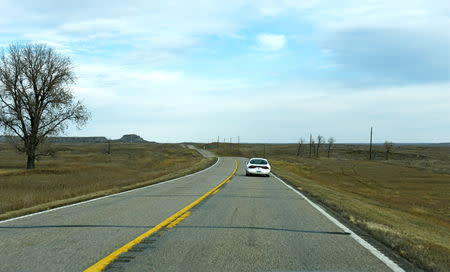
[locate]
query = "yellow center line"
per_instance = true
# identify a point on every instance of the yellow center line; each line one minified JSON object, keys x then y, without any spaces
{"x":178,"y":220}
{"x":100,"y":265}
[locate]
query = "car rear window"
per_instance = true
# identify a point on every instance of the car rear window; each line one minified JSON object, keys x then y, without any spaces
{"x":258,"y":162}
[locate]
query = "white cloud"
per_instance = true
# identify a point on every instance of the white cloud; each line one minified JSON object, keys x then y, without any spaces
{"x":271,"y":11}
{"x":118,"y":84}
{"x":125,"y":73}
{"x":271,"y":42}
{"x":94,"y":25}
{"x":379,"y":14}
{"x":159,"y":76}
{"x":160,"y":104}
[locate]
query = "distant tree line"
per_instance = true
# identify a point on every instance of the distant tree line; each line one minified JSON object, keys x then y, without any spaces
{"x":314,"y":148}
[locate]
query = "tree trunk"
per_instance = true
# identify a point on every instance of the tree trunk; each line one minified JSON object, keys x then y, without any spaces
{"x":31,"y":152}
{"x":30,"y":161}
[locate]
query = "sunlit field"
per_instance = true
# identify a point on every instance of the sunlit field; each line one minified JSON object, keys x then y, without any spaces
{"x":403,"y":201}
{"x":81,"y":171}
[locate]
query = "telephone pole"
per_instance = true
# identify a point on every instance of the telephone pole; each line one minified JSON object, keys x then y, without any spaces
{"x":310,"y":144}
{"x":370,"y":148}
{"x":238,"y":143}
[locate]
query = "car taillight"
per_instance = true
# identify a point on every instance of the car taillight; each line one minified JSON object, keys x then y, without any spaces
{"x":252,"y":166}
{"x":265,"y":167}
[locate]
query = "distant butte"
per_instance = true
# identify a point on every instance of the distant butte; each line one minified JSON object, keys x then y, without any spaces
{"x":127,"y":138}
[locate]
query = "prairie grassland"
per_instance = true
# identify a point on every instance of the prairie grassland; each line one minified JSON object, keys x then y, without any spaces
{"x":81,"y":171}
{"x":403,"y":202}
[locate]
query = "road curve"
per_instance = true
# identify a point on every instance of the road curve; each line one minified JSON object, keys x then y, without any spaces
{"x":249,"y":224}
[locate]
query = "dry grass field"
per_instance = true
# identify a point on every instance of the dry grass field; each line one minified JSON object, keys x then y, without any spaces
{"x":82,"y":171}
{"x":403,"y":202}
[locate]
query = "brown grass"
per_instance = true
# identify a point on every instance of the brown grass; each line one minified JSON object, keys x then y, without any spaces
{"x":82,"y":171}
{"x":403,"y":202}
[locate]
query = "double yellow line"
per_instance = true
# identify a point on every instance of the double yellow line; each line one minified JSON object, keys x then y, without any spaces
{"x":174,"y":219}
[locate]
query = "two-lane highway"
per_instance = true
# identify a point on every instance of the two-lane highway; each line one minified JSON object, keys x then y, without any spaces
{"x":248,"y":224}
{"x":73,"y":238}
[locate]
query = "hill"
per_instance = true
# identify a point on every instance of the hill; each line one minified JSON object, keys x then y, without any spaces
{"x":131,"y":138}
{"x":128,"y":138}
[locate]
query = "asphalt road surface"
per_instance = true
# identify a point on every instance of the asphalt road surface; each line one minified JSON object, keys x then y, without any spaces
{"x":248,"y":224}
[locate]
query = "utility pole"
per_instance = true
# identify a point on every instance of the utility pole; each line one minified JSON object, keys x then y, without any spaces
{"x":310,"y":144}
{"x":370,"y":148}
{"x":238,"y":143}
{"x":218,"y":140}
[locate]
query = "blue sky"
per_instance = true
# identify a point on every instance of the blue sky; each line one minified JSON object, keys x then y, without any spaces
{"x":267,"y":71}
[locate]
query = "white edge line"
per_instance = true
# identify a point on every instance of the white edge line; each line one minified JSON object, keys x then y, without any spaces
{"x":102,"y":197}
{"x":392,"y":265}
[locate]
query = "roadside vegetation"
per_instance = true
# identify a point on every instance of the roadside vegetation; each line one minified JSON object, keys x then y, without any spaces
{"x":403,"y":202}
{"x":77,"y":172}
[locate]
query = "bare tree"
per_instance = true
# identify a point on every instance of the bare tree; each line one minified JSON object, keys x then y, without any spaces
{"x":300,"y":143}
{"x":388,"y":146}
{"x":330,"y":145}
{"x":313,"y":147}
{"x":35,"y":96}
{"x":320,"y":140}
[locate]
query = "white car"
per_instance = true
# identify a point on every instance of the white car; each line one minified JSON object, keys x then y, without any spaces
{"x":257,"y":166}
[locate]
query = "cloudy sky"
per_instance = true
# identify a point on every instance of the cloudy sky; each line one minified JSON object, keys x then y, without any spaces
{"x":267,"y":71}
